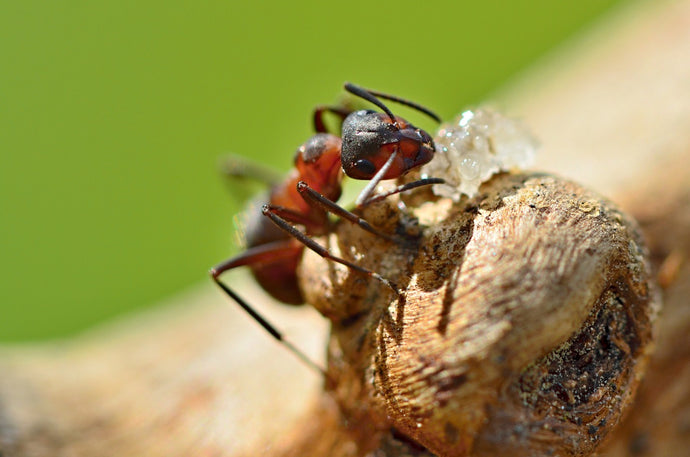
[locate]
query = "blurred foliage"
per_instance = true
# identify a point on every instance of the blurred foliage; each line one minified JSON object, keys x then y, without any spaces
{"x":113,"y":116}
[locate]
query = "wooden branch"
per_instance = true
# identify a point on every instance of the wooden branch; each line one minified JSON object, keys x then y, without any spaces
{"x":196,"y":377}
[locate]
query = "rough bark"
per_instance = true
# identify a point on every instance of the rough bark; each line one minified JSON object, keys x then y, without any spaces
{"x":196,"y":377}
{"x":524,"y":328}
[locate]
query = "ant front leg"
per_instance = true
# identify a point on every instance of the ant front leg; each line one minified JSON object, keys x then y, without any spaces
{"x":367,"y":196}
{"x":273,"y":213}
{"x":263,"y":254}
{"x":402,"y":188}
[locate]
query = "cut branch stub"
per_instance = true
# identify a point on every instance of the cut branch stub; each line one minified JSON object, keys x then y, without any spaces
{"x":524,"y":324}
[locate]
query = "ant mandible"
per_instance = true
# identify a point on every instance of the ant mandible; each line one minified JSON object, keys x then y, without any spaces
{"x":374,"y":146}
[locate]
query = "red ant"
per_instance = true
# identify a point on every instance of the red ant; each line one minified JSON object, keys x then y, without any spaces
{"x":374,"y":146}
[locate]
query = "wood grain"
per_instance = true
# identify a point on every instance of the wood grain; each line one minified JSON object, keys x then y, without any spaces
{"x":196,"y":377}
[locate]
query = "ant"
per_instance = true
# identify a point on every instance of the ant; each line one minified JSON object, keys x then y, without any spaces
{"x":374,"y":146}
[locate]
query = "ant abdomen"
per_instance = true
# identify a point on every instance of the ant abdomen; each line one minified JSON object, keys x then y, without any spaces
{"x":279,"y":280}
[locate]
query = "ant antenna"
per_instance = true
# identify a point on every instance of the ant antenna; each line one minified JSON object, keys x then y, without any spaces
{"x":370,"y":96}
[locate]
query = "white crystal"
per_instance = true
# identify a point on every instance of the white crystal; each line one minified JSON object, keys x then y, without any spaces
{"x":475,"y":146}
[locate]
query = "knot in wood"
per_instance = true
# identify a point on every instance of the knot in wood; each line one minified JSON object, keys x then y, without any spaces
{"x":523,"y":326}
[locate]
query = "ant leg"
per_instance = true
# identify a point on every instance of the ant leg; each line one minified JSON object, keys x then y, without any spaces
{"x":403,"y":188}
{"x":234,"y":167}
{"x":314,"y":198}
{"x":265,"y":253}
{"x":292,"y":216}
{"x":373,"y":182}
{"x":319,"y":111}
{"x":270,"y":212}
{"x":365,"y":197}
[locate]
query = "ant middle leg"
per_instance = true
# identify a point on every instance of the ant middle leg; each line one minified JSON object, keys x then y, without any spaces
{"x":272,"y":213}
{"x":315,"y":198}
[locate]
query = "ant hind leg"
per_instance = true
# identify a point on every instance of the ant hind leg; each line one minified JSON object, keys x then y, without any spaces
{"x":259,"y":254}
{"x":319,"y":125}
{"x":238,"y":167}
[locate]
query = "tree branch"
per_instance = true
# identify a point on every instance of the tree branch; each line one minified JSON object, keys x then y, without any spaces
{"x":197,"y":378}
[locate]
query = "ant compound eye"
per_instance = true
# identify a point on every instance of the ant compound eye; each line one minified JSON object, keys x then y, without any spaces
{"x":365,"y":167}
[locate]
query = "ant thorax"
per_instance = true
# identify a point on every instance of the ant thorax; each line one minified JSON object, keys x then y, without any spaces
{"x":475,"y":146}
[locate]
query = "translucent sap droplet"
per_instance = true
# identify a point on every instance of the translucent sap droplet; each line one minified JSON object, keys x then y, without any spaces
{"x":475,"y":146}
{"x":465,"y":118}
{"x":469,"y":168}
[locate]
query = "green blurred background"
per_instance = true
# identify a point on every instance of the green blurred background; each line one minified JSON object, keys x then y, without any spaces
{"x":113,"y":115}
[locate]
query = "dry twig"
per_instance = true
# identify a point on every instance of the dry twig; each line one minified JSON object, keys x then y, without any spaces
{"x":196,"y":379}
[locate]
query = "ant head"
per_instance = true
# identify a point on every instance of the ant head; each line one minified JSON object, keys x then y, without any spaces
{"x":382,"y":142}
{"x":370,"y":138}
